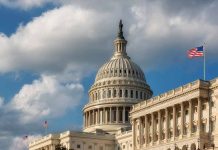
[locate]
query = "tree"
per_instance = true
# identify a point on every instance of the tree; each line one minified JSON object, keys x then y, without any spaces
{"x":60,"y":147}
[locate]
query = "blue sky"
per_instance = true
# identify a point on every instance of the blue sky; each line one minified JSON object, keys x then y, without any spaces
{"x":51,"y":50}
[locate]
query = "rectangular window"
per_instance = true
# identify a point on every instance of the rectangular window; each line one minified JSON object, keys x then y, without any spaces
{"x":120,"y":93}
{"x":131,"y":93}
{"x":126,"y":116}
{"x":120,"y":116}
{"x":126,"y":93}
{"x":136,"y":94}
{"x":78,"y":146}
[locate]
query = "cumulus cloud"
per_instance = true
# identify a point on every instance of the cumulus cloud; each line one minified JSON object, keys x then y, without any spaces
{"x":65,"y":37}
{"x":45,"y":98}
{"x":24,"y":4}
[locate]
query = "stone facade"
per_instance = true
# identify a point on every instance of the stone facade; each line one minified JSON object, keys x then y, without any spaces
{"x":183,"y":118}
{"x":122,"y":114}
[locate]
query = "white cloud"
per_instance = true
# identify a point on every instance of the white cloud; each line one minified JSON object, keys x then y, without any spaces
{"x":21,"y":143}
{"x":45,"y":98}
{"x":60,"y":39}
{"x":24,"y":4}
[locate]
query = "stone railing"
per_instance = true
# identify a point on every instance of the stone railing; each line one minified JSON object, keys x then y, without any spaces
{"x":44,"y":138}
{"x":214,"y":82}
{"x":172,"y":93}
{"x":67,"y":133}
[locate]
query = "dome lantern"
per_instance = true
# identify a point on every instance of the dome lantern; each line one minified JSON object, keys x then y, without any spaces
{"x":120,"y":43}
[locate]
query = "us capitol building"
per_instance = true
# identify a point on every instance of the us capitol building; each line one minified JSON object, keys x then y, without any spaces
{"x":122,"y":114}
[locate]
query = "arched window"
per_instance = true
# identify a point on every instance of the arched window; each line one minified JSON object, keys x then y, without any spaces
{"x":136,"y":94}
{"x":131,"y":93}
{"x":120,"y":93}
{"x":126,"y":93}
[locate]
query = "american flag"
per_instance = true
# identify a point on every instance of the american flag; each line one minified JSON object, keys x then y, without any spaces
{"x":196,"y":52}
{"x":45,"y":124}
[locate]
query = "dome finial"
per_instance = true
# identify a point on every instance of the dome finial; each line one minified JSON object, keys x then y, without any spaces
{"x":120,"y":33}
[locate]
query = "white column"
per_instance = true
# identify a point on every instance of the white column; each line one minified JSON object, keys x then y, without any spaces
{"x":174,"y":122}
{"x":152,"y":128}
{"x":146,"y":130}
{"x":110,"y":115}
{"x":140,"y":132}
{"x":190,"y":117}
{"x":98,"y":121}
{"x":93,"y":117}
{"x":123,"y":114}
{"x":134,"y":134}
{"x":103,"y":116}
{"x":182,"y":120}
{"x":106,"y":115}
{"x":89,"y":118}
{"x":159,"y":126}
{"x":199,"y":115}
{"x":117,"y":114}
{"x":166,"y":130}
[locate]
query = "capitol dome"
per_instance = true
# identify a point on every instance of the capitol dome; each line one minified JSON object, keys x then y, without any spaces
{"x":119,"y":84}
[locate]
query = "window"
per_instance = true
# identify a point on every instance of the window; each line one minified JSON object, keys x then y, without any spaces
{"x":136,"y":94}
{"x":196,"y":109}
{"x":126,"y":93}
{"x":115,"y":116}
{"x":90,"y":146}
{"x":131,"y":93}
{"x":120,"y":71}
{"x":78,"y":146}
{"x":123,"y":146}
{"x":120,"y":93}
{"x":186,"y":112}
{"x":120,"y":116}
{"x":126,"y":115}
{"x":125,"y":71}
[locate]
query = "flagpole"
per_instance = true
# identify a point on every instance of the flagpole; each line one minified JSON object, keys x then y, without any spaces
{"x":204,"y":62}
